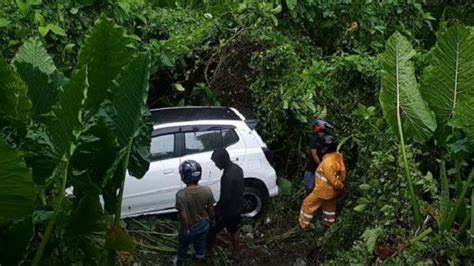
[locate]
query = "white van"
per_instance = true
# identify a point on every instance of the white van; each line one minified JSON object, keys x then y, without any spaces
{"x":193,"y":133}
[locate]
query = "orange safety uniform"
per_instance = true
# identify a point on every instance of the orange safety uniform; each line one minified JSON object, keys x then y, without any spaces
{"x":330,"y":179}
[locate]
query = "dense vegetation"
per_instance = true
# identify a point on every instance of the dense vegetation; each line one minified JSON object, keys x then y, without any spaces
{"x":393,"y":76}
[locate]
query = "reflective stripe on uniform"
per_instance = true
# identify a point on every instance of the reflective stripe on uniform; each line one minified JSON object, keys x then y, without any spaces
{"x":323,"y":178}
{"x":329,"y":213}
{"x":304,"y":222}
{"x":332,"y":220}
{"x":309,"y":216}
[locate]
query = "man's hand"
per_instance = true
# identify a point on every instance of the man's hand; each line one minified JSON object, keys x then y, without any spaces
{"x":217,"y":212}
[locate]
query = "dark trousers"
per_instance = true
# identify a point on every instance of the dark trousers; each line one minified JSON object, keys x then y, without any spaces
{"x":197,"y":235}
{"x":230,"y":222}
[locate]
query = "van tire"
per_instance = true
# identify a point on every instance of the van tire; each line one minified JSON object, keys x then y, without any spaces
{"x":254,"y":202}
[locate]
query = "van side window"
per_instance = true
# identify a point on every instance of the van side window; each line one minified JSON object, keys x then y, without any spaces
{"x":197,"y":142}
{"x":229,"y":137}
{"x":162,"y":147}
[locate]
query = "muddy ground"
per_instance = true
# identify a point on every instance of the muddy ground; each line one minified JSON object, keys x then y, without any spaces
{"x":264,"y":241}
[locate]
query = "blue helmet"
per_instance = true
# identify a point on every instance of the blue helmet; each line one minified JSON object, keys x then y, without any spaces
{"x":190,"y":171}
{"x":329,"y":144}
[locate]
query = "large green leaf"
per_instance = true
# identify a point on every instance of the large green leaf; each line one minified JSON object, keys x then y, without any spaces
{"x":140,"y":154}
{"x":17,"y":191}
{"x":14,"y":103}
{"x":33,"y":52}
{"x":447,"y":84}
{"x":400,"y":95}
{"x":42,"y":157}
{"x":106,"y":51}
{"x":129,"y":100}
{"x":465,"y":116}
{"x":113,"y":184}
{"x":94,"y":158}
{"x":130,"y":91}
{"x":51,"y":142}
{"x":37,"y":69}
{"x":68,"y":112}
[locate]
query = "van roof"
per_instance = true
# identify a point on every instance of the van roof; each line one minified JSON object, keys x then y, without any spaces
{"x":187,"y":114}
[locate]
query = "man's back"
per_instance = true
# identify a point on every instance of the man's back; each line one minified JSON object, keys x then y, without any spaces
{"x":315,"y":144}
{"x":232,"y":190}
{"x":194,"y":201}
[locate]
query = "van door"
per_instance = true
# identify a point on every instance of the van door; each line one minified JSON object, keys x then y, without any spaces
{"x":234,"y":144}
{"x":157,"y":189}
{"x":198,"y":146}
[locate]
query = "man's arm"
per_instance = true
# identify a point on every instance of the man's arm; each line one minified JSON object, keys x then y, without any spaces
{"x":342,"y":170}
{"x":183,"y":217}
{"x":226,"y":191}
{"x":314,"y":156}
{"x":210,"y":208}
{"x":184,"y":220}
{"x":212,"y":215}
{"x":331,"y":172}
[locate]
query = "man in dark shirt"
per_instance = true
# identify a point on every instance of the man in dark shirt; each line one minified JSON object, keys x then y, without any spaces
{"x":231,"y":200}
{"x":319,"y":128}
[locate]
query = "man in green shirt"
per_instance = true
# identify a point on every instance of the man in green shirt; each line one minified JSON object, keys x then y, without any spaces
{"x":196,"y":211}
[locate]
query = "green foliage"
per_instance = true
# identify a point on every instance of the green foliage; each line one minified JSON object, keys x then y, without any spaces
{"x":445,"y":83}
{"x":37,"y":69}
{"x":442,"y":88}
{"x":403,"y":107}
{"x":370,"y":237}
{"x":17,"y":191}
{"x":449,"y":212}
{"x":279,"y":92}
{"x":287,"y":61}
{"x":361,"y":26}
{"x":399,"y":97}
{"x":106,"y":51}
{"x":443,"y":77}
{"x":15,"y":240}
{"x":14,"y":105}
{"x":109,"y":102}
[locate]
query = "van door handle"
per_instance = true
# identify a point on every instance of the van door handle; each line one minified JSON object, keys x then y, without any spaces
{"x":169,"y":171}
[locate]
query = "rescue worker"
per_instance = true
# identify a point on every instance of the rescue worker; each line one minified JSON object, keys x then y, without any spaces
{"x":231,"y":201}
{"x":195,"y":205}
{"x":330,"y":180}
{"x":319,"y":129}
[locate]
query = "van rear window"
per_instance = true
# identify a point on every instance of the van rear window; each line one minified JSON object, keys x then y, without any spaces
{"x":203,"y":141}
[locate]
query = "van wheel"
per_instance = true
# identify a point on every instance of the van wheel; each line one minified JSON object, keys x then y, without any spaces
{"x":253,"y":202}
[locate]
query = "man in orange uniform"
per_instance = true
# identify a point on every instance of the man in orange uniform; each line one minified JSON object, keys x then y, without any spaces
{"x":330,"y":179}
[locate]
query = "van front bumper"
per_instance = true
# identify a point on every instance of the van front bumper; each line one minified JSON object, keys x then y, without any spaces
{"x":273,"y":191}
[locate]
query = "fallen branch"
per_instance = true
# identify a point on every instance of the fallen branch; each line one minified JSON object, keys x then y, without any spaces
{"x":406,"y":245}
{"x":287,"y":235}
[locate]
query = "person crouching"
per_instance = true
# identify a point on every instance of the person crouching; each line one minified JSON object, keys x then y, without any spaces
{"x":195,"y":205}
{"x":330,"y":180}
